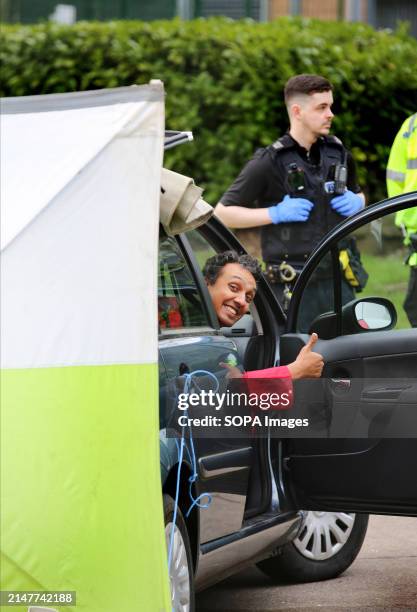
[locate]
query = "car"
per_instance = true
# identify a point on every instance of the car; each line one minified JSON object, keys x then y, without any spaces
{"x":296,"y":506}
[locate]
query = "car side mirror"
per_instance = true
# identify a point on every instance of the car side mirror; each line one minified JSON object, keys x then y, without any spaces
{"x":368,"y":314}
{"x":358,"y":316}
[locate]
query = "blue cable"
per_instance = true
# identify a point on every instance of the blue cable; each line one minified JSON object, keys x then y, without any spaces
{"x":192,"y":458}
{"x":192,"y":479}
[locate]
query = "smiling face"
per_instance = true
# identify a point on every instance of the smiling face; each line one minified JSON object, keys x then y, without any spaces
{"x":232,"y":292}
{"x":314,"y":113}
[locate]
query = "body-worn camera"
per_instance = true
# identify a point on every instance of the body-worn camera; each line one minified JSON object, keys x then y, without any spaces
{"x":296,"y":179}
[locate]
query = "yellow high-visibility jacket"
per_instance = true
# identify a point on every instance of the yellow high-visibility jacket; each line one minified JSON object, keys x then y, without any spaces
{"x":402,"y":176}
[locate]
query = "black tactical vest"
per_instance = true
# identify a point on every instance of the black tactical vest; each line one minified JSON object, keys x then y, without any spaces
{"x":293,"y":242}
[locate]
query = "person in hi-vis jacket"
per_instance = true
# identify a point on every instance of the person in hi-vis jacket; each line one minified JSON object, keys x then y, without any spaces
{"x":402,"y":178}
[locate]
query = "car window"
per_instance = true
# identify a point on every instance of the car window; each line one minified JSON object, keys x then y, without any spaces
{"x":381,"y":270}
{"x":372,"y":263}
{"x":179,"y":301}
{"x":202,"y":249}
{"x":318,"y":295}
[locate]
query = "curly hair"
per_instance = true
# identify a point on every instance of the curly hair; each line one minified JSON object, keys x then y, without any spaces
{"x":215,"y":264}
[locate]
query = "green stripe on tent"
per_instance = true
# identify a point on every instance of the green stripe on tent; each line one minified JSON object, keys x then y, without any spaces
{"x":81,"y":486}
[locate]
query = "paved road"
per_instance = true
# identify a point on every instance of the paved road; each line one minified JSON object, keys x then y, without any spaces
{"x":383,"y":578}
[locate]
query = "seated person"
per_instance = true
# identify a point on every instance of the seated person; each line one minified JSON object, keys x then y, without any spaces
{"x":231,"y":281}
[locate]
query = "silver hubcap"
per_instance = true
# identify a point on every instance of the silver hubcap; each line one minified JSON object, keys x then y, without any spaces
{"x":323,"y":534}
{"x":179,"y":573}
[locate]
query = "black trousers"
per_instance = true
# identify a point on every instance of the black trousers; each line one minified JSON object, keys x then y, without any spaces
{"x":318,"y":298}
{"x":410,"y":302}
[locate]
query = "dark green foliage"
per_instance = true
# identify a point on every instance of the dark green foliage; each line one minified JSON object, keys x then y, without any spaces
{"x":224,"y":81}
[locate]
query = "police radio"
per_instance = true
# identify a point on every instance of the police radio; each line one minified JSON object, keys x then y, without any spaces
{"x":338,"y":178}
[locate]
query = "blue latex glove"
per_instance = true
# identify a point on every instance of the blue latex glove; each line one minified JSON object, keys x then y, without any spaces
{"x":347,"y":204}
{"x":290,"y":210}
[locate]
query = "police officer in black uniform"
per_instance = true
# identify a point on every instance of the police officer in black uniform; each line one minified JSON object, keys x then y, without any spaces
{"x":297,"y":189}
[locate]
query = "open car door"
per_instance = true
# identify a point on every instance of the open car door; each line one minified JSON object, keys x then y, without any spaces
{"x":362,"y":455}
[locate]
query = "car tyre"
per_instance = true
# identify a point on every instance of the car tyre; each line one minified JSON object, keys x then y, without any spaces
{"x":181,"y":575}
{"x":327,"y":544}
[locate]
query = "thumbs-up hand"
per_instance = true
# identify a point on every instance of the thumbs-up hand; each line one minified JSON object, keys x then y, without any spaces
{"x":308,"y":363}
{"x":310,"y":344}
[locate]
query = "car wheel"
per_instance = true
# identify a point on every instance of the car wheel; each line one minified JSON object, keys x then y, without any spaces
{"x":326,"y":546}
{"x":181,"y":572}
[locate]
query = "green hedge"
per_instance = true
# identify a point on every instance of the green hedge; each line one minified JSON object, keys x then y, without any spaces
{"x":224,"y":81}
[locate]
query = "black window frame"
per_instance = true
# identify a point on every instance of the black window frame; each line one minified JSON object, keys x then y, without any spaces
{"x":329,"y":244}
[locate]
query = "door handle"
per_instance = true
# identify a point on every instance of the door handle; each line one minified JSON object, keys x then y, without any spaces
{"x":340,"y":385}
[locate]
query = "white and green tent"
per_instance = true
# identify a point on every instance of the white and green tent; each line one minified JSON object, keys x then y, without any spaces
{"x":80,"y":481}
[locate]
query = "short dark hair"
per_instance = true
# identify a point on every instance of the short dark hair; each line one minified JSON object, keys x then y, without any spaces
{"x":306,"y":84}
{"x":214,"y":265}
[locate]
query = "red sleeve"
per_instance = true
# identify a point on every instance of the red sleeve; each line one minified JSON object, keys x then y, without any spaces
{"x":278,"y":372}
{"x":271,"y":380}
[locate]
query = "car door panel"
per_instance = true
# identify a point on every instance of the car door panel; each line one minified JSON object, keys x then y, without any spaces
{"x":356,"y":480}
{"x":379,"y":345}
{"x":367,"y":398}
{"x":368,"y":394}
{"x":223,"y":463}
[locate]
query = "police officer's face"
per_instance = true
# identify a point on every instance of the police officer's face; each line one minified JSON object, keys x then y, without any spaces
{"x":232,"y":293}
{"x":315,"y":113}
